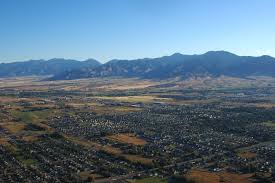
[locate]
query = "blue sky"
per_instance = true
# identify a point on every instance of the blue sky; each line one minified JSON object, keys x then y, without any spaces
{"x":127,"y":29}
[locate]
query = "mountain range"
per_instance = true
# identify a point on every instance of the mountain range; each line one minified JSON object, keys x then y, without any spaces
{"x":43,"y":67}
{"x":212,"y":63}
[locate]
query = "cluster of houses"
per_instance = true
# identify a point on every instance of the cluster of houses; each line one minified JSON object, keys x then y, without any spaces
{"x":178,"y":138}
{"x":176,"y":134}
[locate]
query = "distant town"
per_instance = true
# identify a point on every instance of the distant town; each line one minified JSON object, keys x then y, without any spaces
{"x":134,"y":130}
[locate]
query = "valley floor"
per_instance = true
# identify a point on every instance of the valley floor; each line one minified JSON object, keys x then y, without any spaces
{"x":138,"y":131}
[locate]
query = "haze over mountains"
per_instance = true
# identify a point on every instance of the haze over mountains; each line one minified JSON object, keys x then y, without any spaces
{"x":43,"y":67}
{"x":213,"y":63}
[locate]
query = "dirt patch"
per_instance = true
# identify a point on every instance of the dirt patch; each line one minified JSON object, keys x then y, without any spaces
{"x":13,"y":127}
{"x":247,"y":154}
{"x":4,"y":141}
{"x":8,"y":99}
{"x":204,"y":176}
{"x":128,"y":138}
{"x":130,"y":84}
{"x":138,"y":159}
{"x":30,"y":138}
{"x":135,"y":99}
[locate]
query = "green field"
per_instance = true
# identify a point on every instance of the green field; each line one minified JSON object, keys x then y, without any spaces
{"x":150,"y":180}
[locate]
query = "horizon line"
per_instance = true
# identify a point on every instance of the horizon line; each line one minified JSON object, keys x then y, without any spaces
{"x":81,"y":60}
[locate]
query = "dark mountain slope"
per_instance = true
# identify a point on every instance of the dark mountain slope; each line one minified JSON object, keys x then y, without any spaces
{"x":42,"y":67}
{"x":213,"y":63}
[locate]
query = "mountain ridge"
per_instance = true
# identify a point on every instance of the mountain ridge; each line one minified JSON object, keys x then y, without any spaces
{"x":43,"y":67}
{"x":211,"y":63}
